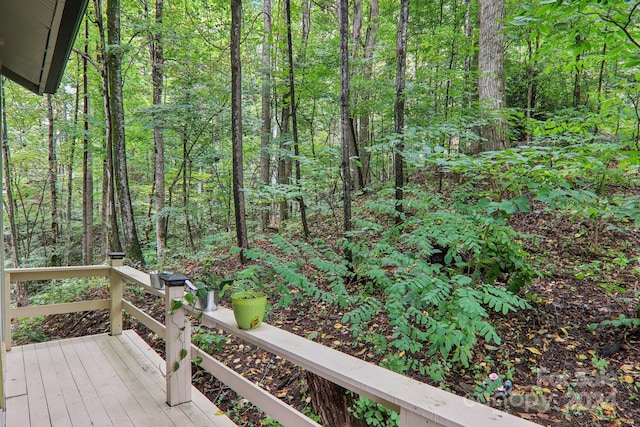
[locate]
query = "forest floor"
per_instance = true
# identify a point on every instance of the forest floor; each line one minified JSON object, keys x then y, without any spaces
{"x":587,"y":377}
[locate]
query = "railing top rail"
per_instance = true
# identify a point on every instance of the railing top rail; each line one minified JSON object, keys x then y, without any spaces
{"x":367,"y":379}
{"x":50,"y":273}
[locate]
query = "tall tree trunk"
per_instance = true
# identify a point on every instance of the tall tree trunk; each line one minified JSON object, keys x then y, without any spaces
{"x":343,"y":17}
{"x":114,"y":66}
{"x":110,"y":228}
{"x":365,"y":134}
{"x":53,"y":187}
{"x":398,"y":108}
{"x":87,"y":162}
{"x":284,"y":162}
{"x":265,"y":134}
{"x":577,"y":77}
{"x":294,"y":117}
{"x":329,"y":400}
{"x":157,"y":76}
{"x":491,"y":69}
{"x":531,"y":85}
{"x":236,"y":127}
{"x":70,"y":165}
{"x":186,"y":170}
{"x":468,"y":59}
{"x":354,"y":160}
{"x":10,"y":203}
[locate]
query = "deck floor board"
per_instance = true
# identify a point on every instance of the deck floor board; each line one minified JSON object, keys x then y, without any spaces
{"x":97,"y":380}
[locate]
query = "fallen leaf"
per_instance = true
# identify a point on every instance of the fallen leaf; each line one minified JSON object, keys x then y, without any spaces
{"x":534,"y":350}
{"x":607,"y":406}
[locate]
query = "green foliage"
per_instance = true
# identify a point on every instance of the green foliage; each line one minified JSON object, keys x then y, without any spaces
{"x":436,"y":278}
{"x":61,"y":291}
{"x":620,"y":322}
{"x":375,"y":414}
{"x":207,"y":339}
{"x":282,"y":275}
{"x":29,"y":329}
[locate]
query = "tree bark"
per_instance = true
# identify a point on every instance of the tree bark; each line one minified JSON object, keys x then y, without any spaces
{"x":87,"y":163}
{"x":332,"y":403}
{"x":284,"y":162}
{"x":343,"y":18}
{"x":54,"y":260}
{"x":110,"y":229}
{"x":156,"y":55}
{"x":294,"y":119}
{"x":70,"y":166}
{"x":11,"y":211}
{"x":491,"y":68}
{"x":265,"y":134}
{"x":398,"y":108}
{"x":236,"y":127}
{"x":577,"y":77}
{"x":114,"y":66}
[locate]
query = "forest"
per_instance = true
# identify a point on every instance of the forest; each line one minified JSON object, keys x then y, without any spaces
{"x":446,"y":188}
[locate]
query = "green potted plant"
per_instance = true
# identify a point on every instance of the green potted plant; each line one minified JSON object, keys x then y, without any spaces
{"x":249,"y":308}
{"x":249,"y":305}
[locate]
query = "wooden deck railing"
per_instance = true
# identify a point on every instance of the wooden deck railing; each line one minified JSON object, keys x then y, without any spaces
{"x":418,"y":404}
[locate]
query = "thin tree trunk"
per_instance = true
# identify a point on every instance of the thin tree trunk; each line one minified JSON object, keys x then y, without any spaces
{"x":284,"y":163}
{"x":156,"y":56}
{"x":110,"y":229}
{"x":577,"y":77}
{"x":70,"y":165}
{"x":53,"y":187}
{"x":236,"y":127}
{"x":87,"y":163}
{"x":398,"y":108}
{"x":601,"y":81}
{"x":114,"y":66}
{"x":366,"y":133}
{"x":265,"y":134}
{"x":343,"y":17}
{"x":185,"y":193}
{"x":468,"y":59}
{"x":354,"y":160}
{"x":294,"y":117}
{"x":10,"y":203}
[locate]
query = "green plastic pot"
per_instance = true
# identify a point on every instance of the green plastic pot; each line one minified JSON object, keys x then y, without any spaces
{"x":249,"y":308}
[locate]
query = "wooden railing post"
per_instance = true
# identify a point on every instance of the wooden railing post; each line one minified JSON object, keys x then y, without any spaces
{"x":6,"y":303}
{"x":115,"y":289}
{"x":178,"y":342}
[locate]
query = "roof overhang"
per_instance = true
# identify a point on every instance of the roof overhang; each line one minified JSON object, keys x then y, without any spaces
{"x":36,"y":37}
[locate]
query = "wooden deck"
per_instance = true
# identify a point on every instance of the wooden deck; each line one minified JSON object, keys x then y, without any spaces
{"x":97,"y":380}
